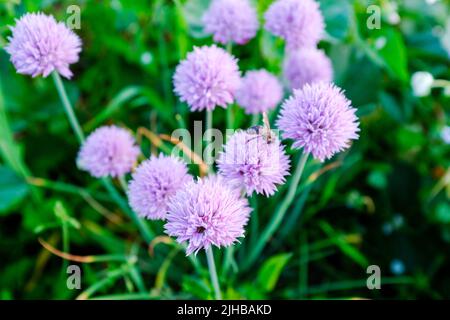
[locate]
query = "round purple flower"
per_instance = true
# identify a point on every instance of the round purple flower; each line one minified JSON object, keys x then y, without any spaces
{"x":154,"y":182}
{"x":231,"y":21}
{"x":207,"y":212}
{"x":298,"y":22}
{"x":254,"y":162}
{"x":320,"y":119}
{"x":260,"y":91}
{"x":39,"y":45}
{"x":307,"y":66}
{"x":108,"y":151}
{"x":209,"y":77}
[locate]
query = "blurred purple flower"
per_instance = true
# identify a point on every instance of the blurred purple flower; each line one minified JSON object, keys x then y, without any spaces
{"x":320,"y":119}
{"x":39,"y":45}
{"x":231,"y":21}
{"x":207,"y":212}
{"x":298,"y":22}
{"x":253,"y":163}
{"x":154,"y":182}
{"x":307,"y":65}
{"x":108,"y":151}
{"x":259,"y":91}
{"x":209,"y":77}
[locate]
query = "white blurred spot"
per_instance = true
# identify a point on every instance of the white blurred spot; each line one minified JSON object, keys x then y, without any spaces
{"x":421,"y":83}
{"x":380,"y":43}
{"x":146,"y":58}
{"x":116,"y":5}
{"x":394,"y":18}
{"x":445,"y":134}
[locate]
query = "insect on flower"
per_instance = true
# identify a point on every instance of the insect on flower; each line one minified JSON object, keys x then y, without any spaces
{"x":262,"y":131}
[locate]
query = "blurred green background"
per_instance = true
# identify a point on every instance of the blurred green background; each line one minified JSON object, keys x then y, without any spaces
{"x":385,"y":202}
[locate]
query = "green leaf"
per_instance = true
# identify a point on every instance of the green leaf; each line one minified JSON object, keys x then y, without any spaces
{"x":153,"y":99}
{"x":124,"y":96}
{"x":62,"y":214}
{"x":346,"y":248}
{"x":409,"y":138}
{"x":391,"y":106}
{"x":443,"y":213}
{"x":193,"y":12}
{"x":377,"y":179}
{"x":196,"y":287}
{"x":394,"y":54}
{"x":251,"y":292}
{"x":12,"y":189}
{"x":271,"y":269}
{"x":337,"y":16}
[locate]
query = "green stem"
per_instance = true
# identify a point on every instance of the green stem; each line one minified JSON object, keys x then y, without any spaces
{"x":145,"y":231}
{"x":67,"y":106}
{"x":254,"y":221}
{"x":66,"y":243}
{"x":230,"y":47}
{"x":208,"y":136}
{"x":65,"y":187}
{"x":110,"y":278}
{"x":295,"y":214}
{"x":163,"y":53}
{"x":123,"y":183}
{"x":229,"y":260}
{"x":255,"y":119}
{"x":136,"y":275}
{"x":106,"y":182}
{"x":229,"y":110}
{"x":279,"y":215}
{"x":230,"y":116}
{"x":129,"y":296}
{"x":440,"y":83}
{"x":213,"y":273}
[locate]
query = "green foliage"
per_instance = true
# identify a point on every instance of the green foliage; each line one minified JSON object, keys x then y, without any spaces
{"x":385,"y":199}
{"x":270,"y":271}
{"x":12,"y":190}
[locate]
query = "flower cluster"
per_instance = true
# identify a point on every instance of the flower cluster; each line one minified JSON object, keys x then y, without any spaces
{"x":154,"y":182}
{"x":213,"y":210}
{"x":260,"y":91}
{"x":108,"y":151}
{"x":39,"y":45}
{"x":207,"y":212}
{"x":320,"y":119}
{"x":307,"y":66}
{"x":209,"y":77}
{"x":231,"y":21}
{"x":254,"y":162}
{"x":298,"y":22}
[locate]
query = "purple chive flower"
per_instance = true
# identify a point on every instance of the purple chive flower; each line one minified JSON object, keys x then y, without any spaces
{"x":154,"y":182}
{"x":320,"y":119}
{"x":307,"y":66}
{"x":108,"y":151}
{"x":253,"y":162}
{"x":231,"y":21}
{"x":39,"y":45}
{"x":207,"y":212}
{"x":209,"y":77}
{"x":298,"y":22}
{"x":259,"y":91}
